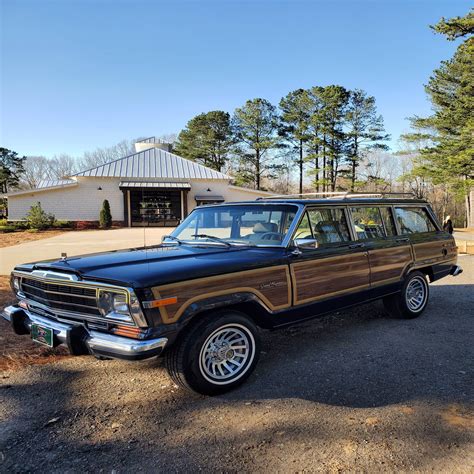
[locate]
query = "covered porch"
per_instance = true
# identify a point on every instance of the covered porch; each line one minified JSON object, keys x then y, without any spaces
{"x":154,"y":204}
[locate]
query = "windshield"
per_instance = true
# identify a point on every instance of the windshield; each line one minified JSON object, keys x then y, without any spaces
{"x":237,"y":224}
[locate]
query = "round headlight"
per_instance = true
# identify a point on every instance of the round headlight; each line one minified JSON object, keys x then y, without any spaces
{"x":16,"y":283}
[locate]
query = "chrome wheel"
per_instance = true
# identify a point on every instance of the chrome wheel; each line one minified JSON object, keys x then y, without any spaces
{"x":227,"y":354}
{"x":416,"y":294}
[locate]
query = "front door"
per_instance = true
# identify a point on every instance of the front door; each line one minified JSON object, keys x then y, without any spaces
{"x":336,"y":266}
{"x":155,"y":207}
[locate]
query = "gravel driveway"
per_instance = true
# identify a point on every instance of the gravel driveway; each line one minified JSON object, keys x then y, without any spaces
{"x":352,"y":391}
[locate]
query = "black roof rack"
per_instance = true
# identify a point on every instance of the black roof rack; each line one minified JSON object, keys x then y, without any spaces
{"x":339,"y":195}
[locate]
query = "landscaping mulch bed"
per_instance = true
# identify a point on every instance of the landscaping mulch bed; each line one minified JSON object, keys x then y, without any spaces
{"x":20,"y":237}
{"x":18,"y":351}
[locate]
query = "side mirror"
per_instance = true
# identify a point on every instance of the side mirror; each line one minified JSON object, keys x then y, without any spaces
{"x":305,"y":243}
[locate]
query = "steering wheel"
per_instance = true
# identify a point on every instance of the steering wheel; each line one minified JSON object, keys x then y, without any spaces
{"x":271,"y":236}
{"x":301,"y":233}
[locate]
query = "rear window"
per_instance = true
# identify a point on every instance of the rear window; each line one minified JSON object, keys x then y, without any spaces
{"x":368,"y":223}
{"x":413,"y":220}
{"x":372,"y":223}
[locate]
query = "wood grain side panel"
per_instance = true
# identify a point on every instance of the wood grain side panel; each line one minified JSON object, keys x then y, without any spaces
{"x":272,"y":285}
{"x":389,"y":264}
{"x":428,"y":250}
{"x":326,"y":277}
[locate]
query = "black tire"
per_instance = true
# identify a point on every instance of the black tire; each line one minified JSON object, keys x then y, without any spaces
{"x":412,"y":299}
{"x":208,"y":347}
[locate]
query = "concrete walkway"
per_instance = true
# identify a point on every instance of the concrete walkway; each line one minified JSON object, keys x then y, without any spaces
{"x":78,"y":243}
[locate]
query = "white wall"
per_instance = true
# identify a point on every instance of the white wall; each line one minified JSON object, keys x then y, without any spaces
{"x":84,"y":201}
{"x":79,"y":203}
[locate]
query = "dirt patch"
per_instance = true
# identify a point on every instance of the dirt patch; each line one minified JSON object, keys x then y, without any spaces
{"x":456,"y":416}
{"x":20,"y":237}
{"x":18,"y":351}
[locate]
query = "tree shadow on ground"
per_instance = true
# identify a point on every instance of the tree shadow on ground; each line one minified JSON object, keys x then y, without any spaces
{"x":347,"y":390}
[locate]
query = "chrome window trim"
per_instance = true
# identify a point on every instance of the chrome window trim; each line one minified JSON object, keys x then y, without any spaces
{"x":312,"y":206}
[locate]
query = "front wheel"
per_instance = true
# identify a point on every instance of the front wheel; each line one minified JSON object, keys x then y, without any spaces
{"x":412,"y":300}
{"x":216,"y":354}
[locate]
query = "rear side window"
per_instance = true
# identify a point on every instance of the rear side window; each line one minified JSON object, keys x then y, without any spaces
{"x":413,"y":220}
{"x":329,"y":226}
{"x":368,"y":223}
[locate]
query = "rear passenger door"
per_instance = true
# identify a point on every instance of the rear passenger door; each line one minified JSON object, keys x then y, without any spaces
{"x":389,"y":253}
{"x":335,"y":266}
{"x":430,"y":244}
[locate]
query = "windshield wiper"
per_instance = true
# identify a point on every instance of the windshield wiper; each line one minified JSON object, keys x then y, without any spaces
{"x":213,"y":238}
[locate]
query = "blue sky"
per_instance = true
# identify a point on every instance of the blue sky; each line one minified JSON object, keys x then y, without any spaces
{"x":78,"y":74}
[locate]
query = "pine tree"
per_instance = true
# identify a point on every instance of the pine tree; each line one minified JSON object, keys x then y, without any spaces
{"x":329,"y":121}
{"x":207,"y":139}
{"x":449,"y":155}
{"x":38,"y":219}
{"x":255,"y":126}
{"x":296,"y":109}
{"x":11,"y":169}
{"x":365,"y":130}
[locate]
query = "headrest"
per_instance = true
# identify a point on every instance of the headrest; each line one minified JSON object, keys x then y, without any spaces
{"x":261,"y":227}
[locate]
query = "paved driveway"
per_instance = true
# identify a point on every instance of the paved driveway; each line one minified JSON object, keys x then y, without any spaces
{"x":77,"y":243}
{"x":354,"y":391}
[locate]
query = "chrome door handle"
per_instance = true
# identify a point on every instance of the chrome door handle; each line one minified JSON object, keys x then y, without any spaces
{"x":405,"y":239}
{"x":356,"y":246}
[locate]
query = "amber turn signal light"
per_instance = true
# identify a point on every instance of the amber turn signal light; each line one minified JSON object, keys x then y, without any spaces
{"x":128,"y":331}
{"x":160,"y":303}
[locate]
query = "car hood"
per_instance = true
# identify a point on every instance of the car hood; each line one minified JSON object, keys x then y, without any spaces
{"x":162,"y":264}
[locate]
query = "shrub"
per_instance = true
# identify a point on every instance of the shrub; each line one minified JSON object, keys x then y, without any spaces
{"x":3,"y":222}
{"x":105,"y":217}
{"x":38,"y":218}
{"x":7,"y":228}
{"x":20,"y":225}
{"x":63,"y":224}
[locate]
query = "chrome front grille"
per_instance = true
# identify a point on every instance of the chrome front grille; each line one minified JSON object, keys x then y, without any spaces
{"x":75,"y":299}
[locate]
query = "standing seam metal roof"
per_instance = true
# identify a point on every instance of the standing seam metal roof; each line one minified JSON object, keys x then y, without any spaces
{"x":153,"y":163}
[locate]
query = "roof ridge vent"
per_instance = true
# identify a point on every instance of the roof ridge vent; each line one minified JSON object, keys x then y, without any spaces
{"x":152,"y":142}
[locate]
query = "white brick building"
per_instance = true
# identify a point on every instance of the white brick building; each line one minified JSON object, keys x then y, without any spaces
{"x":152,"y":187}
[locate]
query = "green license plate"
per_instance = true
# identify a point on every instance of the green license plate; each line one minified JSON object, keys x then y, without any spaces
{"x":42,"y":335}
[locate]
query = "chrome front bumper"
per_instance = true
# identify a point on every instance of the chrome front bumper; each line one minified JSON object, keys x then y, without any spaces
{"x":85,"y":341}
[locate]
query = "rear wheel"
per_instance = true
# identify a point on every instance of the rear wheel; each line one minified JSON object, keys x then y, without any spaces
{"x":216,"y":354}
{"x":412,"y":300}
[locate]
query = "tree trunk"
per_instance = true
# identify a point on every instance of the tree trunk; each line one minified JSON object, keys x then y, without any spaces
{"x":257,"y":168}
{"x":301,"y":166}
{"x":469,"y":197}
{"x":316,"y":167}
{"x":324,"y":164}
{"x":354,"y":164}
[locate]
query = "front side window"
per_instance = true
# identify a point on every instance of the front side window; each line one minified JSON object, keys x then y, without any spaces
{"x":413,"y":220}
{"x":240,"y":224}
{"x":327,"y":226}
{"x":368,"y":223}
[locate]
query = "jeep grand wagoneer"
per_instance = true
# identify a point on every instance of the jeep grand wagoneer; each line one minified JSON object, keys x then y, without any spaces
{"x":200,"y":296}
